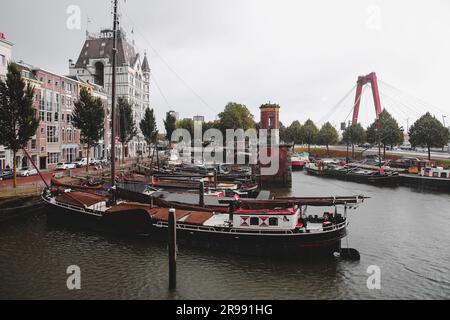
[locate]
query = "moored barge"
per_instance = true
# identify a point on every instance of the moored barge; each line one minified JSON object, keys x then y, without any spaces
{"x":286,"y":227}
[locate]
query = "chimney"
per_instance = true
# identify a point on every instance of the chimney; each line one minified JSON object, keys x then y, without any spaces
{"x":71,"y":65}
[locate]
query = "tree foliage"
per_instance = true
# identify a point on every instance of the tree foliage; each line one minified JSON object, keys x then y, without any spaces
{"x":295,"y":133}
{"x":127,"y":125}
{"x":18,"y":118}
{"x":187,"y":124}
{"x":328,"y":135}
{"x":170,"y":125}
{"x":354,"y":134}
{"x":236,"y":116}
{"x":89,"y":117}
{"x":390,"y":132}
{"x":428,"y":132}
{"x":310,"y":133}
{"x":149,"y":128}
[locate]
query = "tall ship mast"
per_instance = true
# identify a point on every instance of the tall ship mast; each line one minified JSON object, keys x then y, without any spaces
{"x":113,"y":97}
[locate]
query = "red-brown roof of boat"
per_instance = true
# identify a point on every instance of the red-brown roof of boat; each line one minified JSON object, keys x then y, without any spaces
{"x":198,"y":218}
{"x":80,"y":199}
{"x":128,"y":206}
{"x":162,"y":214}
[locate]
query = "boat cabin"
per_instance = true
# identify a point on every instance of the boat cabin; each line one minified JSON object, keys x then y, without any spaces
{"x":81,"y":200}
{"x":286,"y":219}
{"x":438,"y":172}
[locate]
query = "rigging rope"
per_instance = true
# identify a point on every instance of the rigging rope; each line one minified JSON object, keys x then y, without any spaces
{"x":168,"y":65}
{"x":336,"y":107}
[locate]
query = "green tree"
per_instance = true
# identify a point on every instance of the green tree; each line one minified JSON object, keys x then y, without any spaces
{"x":18,"y":118}
{"x":328,"y":135}
{"x":295,"y":133}
{"x":284,"y":136}
{"x":236,"y":116}
{"x":429,"y":132}
{"x":170,"y":125}
{"x":89,"y":117}
{"x":149,"y":128}
{"x":187,"y":124}
{"x":390,"y":132}
{"x":309,"y":133}
{"x":354,"y":134}
{"x":127,"y":125}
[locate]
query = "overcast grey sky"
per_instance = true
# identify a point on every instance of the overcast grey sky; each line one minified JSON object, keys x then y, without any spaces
{"x":303,"y":55}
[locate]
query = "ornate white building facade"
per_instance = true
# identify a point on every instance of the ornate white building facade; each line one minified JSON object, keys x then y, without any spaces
{"x":94,"y":65}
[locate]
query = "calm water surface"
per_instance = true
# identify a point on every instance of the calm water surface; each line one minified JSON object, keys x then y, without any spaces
{"x":404,"y":232}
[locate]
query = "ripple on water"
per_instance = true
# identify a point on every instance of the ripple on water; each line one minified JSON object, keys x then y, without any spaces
{"x":402,"y":232}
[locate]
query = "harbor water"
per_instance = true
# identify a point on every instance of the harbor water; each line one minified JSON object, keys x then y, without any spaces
{"x":401,"y":231}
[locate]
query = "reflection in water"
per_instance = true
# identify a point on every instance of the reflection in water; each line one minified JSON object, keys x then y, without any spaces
{"x":398,"y":230}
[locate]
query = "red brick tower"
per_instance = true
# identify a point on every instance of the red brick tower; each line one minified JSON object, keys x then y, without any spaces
{"x":270,"y":116}
{"x":270,"y":120}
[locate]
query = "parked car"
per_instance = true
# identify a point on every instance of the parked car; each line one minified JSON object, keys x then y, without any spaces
{"x":65,"y":166}
{"x":26,"y":172}
{"x":6,"y":174}
{"x":95,"y":162}
{"x":81,"y":162}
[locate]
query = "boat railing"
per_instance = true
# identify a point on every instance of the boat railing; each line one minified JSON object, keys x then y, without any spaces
{"x":162,"y":224}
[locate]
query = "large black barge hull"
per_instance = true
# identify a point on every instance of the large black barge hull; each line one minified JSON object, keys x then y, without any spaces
{"x":426,"y":183}
{"x":376,"y":180}
{"x":131,"y":223}
{"x":286,"y":245}
{"x":295,"y":245}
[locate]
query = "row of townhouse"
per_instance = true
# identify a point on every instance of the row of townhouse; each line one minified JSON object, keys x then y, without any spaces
{"x":56,"y":139}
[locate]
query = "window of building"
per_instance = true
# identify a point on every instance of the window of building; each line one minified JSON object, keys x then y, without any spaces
{"x":42,"y":115}
{"x":42,"y":101}
{"x":49,"y":117}
{"x":254,"y":221}
{"x":63,"y":136}
{"x":62,"y":117}
{"x":271,"y":122}
{"x":2,"y":159}
{"x":56,"y":117}
{"x":3,"y":60}
{"x":53,"y":158}
{"x":49,"y":96}
{"x":69,"y":135}
{"x":52,"y":134}
{"x":33,"y":144}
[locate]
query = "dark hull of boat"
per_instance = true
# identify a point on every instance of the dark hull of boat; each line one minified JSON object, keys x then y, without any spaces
{"x":426,"y":183}
{"x":298,"y":167}
{"x":132,"y":222}
{"x":293,"y":245}
{"x":135,"y":223}
{"x":359,"y":178}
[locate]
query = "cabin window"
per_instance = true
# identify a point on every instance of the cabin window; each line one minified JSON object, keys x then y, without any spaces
{"x":254,"y":221}
{"x":443,"y":175}
{"x":273,"y":222}
{"x":435,"y":174}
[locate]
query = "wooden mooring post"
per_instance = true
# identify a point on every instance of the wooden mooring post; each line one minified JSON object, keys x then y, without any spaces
{"x":172,"y":249}
{"x":202,"y":194}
